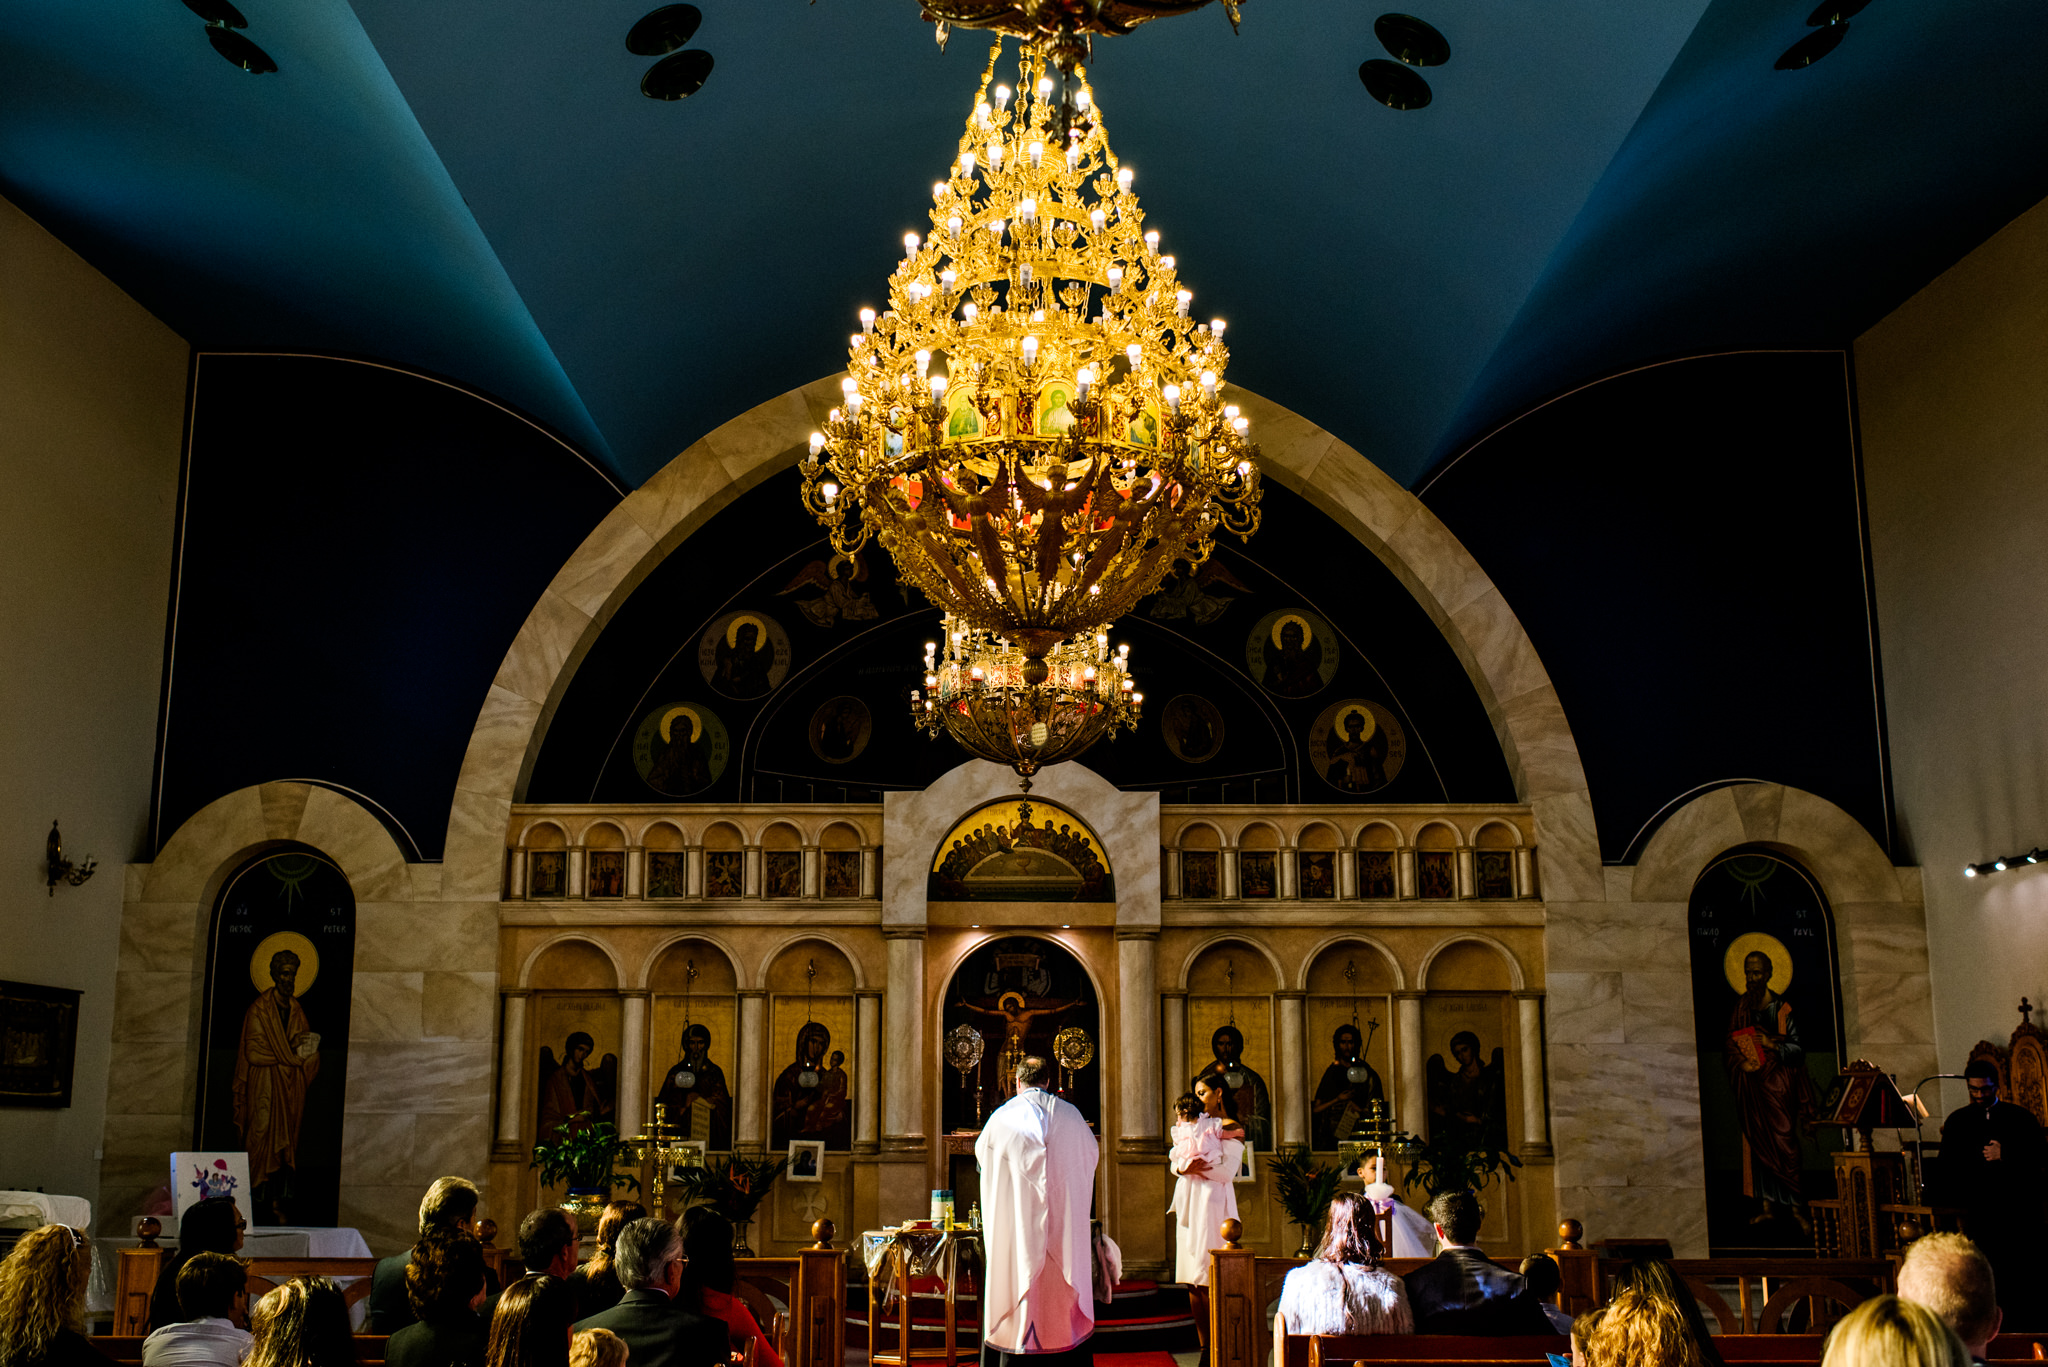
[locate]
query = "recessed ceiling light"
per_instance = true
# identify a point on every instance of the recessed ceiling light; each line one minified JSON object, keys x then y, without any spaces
{"x":1411,"y":40}
{"x":217,"y":12}
{"x":1812,"y":47}
{"x":1394,"y":85}
{"x":239,"y":50}
{"x":1827,"y":12}
{"x":677,"y":77}
{"x":661,"y":31}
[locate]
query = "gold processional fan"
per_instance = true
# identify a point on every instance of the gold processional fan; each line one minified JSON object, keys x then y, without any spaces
{"x":1073,"y":1051}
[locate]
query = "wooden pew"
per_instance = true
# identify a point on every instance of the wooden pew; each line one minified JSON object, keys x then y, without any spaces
{"x":813,"y":1285}
{"x":266,"y":1273}
{"x":1444,"y":1350}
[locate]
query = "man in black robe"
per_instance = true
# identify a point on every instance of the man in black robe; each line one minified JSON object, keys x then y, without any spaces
{"x":1992,"y":1158}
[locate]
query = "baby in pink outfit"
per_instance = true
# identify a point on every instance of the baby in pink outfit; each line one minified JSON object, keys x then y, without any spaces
{"x":1195,"y":1136}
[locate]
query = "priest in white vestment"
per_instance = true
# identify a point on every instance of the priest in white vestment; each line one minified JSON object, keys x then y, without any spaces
{"x":1037,"y":1159}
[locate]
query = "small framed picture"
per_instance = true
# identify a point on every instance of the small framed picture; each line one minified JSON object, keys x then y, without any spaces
{"x":1351,"y":1154}
{"x":806,"y":1160}
{"x":1246,"y":1172}
{"x":685,"y":1154}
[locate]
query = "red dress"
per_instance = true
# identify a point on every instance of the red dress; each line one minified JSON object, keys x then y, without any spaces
{"x":739,"y":1321}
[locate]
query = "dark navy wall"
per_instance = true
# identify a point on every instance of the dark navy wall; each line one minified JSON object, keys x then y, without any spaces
{"x":1684,"y":545}
{"x":359,"y":546}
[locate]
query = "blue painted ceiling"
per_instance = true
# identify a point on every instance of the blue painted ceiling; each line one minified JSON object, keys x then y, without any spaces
{"x":480,"y":190}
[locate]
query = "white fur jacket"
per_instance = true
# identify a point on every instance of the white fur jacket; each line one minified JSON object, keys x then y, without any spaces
{"x":1344,"y":1298}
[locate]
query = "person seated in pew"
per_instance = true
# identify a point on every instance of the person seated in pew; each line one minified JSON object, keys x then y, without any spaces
{"x":531,"y":1325}
{"x":597,"y":1281}
{"x":1583,"y":1330}
{"x":213,"y":1299}
{"x":1342,"y":1289}
{"x":1462,"y":1291}
{"x":445,"y":1283}
{"x":42,"y":1300}
{"x":1546,"y":1279}
{"x":449,"y":1207}
{"x":1652,"y":1319}
{"x":709,"y":1276}
{"x":1950,"y":1275}
{"x":547,"y":1244}
{"x":657,"y":1331}
{"x":1885,"y":1331}
{"x":301,"y":1323}
{"x":597,"y":1348}
{"x":214,"y":1225}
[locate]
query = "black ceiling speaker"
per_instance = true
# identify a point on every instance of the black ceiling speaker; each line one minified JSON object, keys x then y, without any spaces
{"x":239,"y":50}
{"x":1828,"y":12}
{"x":677,"y":77}
{"x":659,"y":32}
{"x":1411,"y":40}
{"x":1812,"y":47}
{"x":1394,"y":85}
{"x":219,"y":13}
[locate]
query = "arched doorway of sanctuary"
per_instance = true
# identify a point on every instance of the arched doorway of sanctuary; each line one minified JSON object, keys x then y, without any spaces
{"x":1022,"y":925}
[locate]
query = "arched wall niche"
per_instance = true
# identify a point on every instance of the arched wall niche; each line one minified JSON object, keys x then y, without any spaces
{"x":812,"y":1052}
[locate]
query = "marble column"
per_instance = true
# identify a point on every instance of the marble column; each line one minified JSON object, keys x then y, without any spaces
{"x":1347,"y":874}
{"x":1173,"y":1039}
{"x":1468,"y":875}
{"x":1169,"y":874}
{"x":870,"y":870}
{"x":632,"y":1108}
{"x":1404,"y":873}
{"x":1137,"y":977}
{"x":1535,"y":1114}
{"x":814,"y":872}
{"x":750,"y":887}
{"x":1413,"y":1098}
{"x":515,"y":877}
{"x":511,"y":1073}
{"x":693,"y":871}
{"x":577,"y":887}
{"x":1293,"y":1079}
{"x":1287,"y":867}
{"x":751,"y":1085}
{"x":903,"y":1007}
{"x":636,"y":871}
{"x":1229,"y":889}
{"x":1525,"y":871}
{"x":867,"y":1007}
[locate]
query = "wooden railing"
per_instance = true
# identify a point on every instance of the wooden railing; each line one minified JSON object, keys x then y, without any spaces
{"x":135,"y":1280}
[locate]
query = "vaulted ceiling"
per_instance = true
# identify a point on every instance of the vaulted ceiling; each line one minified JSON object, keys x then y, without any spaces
{"x":481,"y":191}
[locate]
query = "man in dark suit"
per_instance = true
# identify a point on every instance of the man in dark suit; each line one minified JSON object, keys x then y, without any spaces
{"x":1461,"y":1291}
{"x":449,"y":1207}
{"x":1992,"y":1157}
{"x":658,"y":1332}
{"x":547,"y":1245}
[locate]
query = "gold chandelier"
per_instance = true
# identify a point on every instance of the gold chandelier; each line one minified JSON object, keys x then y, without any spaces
{"x":1065,"y":28}
{"x":1035,"y":429}
{"x":975,"y":692}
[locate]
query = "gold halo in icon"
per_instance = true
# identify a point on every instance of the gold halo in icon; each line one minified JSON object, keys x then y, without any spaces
{"x":276,"y":943}
{"x":1756,"y":942}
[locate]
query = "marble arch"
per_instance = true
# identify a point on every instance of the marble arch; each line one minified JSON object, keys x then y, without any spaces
{"x":684,"y":936}
{"x":1347,"y":937}
{"x":524,"y":981}
{"x":1187,"y":964}
{"x":1516,"y":979}
{"x":649,"y":523}
{"x":780,"y":947}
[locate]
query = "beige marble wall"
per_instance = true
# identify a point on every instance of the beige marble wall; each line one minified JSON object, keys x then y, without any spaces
{"x":422,"y":1012}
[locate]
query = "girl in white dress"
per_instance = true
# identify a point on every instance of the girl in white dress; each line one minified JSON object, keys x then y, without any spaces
{"x":1343,"y":1289}
{"x":1414,"y":1235}
{"x":1207,"y":1149}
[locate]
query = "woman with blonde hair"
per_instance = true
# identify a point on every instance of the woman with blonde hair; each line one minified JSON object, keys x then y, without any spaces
{"x":1651,"y":1319}
{"x":301,"y":1323}
{"x":42,"y":1300}
{"x":1885,"y":1331}
{"x":597,"y":1281}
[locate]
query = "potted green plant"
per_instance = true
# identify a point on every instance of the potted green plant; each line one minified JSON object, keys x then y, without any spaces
{"x":1440,"y":1168}
{"x":732,"y":1185}
{"x":1305,"y":1190}
{"x":582,"y":1158}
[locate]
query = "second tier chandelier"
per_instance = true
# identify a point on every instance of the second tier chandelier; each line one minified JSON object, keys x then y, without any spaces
{"x":1035,"y":429}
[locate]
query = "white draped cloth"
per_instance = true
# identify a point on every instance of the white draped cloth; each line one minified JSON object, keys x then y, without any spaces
{"x":1414,"y":1235}
{"x":1202,"y":1201}
{"x":1037,"y":1159}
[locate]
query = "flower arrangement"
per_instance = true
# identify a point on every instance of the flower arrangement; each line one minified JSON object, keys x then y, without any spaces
{"x":1305,"y":1190}
{"x":583,"y":1155}
{"x":1440,"y":1168}
{"x":733,"y":1185}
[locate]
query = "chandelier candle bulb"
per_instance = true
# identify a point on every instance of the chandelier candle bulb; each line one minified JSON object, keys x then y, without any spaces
{"x":1181,"y":300}
{"x":1209,"y":385}
{"x":1115,"y":275}
{"x":1172,"y":396}
{"x":1044,"y":86}
{"x":938,"y":190}
{"x":924,"y":362}
{"x":867,"y":320}
{"x":1037,"y":154}
{"x":967,"y":164}
{"x":1152,"y":242}
{"x":938,"y":388}
{"x":1027,"y":214}
{"x":1073,"y":156}
{"x":1123,"y":178}
{"x":995,"y":155}
{"x":1002,"y":97}
{"x":1029,"y":346}
{"x":1134,"y":354}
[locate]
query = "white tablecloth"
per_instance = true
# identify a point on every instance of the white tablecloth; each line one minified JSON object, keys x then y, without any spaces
{"x":268,"y":1241}
{"x":34,"y":1209}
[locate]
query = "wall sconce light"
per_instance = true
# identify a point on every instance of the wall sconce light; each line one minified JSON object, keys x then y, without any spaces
{"x":62,"y":870}
{"x":2010,"y":861}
